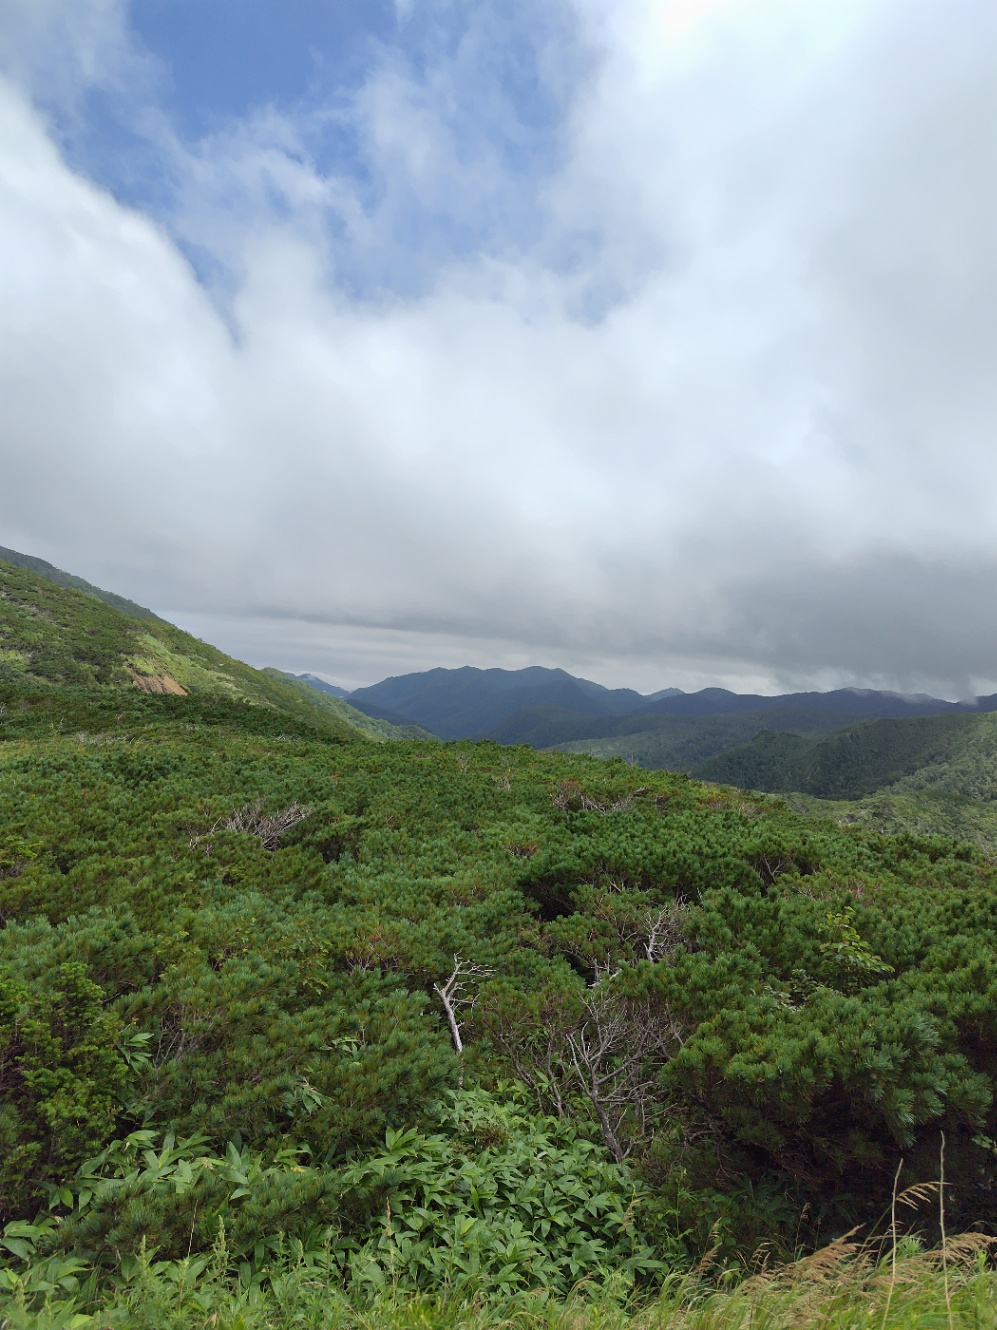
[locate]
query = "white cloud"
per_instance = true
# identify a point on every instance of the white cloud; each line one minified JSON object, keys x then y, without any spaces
{"x":56,"y":50}
{"x":724,"y":409}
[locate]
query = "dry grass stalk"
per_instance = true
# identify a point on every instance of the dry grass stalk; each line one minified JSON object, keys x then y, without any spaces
{"x":820,"y":1267}
{"x":893,"y":1244}
{"x":941,"y":1214}
{"x":918,"y":1194}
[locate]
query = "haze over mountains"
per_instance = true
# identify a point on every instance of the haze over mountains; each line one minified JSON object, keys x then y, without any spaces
{"x":888,"y":761}
{"x":321,"y":684}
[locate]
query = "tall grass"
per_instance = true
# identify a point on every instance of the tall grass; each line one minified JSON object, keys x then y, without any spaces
{"x":844,"y":1286}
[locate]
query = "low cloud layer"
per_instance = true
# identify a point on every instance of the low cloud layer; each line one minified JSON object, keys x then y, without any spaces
{"x":693,"y":383}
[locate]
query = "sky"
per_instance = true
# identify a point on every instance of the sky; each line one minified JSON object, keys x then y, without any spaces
{"x":652,"y":339}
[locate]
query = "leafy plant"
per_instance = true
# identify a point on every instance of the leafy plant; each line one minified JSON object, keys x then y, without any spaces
{"x":501,"y":1200}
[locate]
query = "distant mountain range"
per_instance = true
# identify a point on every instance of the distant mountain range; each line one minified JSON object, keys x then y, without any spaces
{"x":314,"y":681}
{"x":844,"y":744}
{"x":553,"y":709}
{"x":470,"y":703}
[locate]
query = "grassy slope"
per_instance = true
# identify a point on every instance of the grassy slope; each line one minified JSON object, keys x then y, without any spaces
{"x":54,"y":635}
{"x":378,"y":729}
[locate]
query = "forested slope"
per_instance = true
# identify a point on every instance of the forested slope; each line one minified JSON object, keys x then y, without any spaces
{"x":756,"y":741}
{"x":952,"y":794}
{"x":928,"y":775}
{"x":848,"y":764}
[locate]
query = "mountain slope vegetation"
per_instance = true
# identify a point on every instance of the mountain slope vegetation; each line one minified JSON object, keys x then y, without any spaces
{"x":686,"y":743}
{"x":53,"y":635}
{"x":468,"y":703}
{"x":278,"y":1003}
{"x":667,"y":730}
{"x":953,"y":793}
{"x":322,"y":685}
{"x":222,"y":936}
{"x":927,"y":775}
{"x":850,"y":763}
{"x":335,"y":705}
{"x":41,"y":568}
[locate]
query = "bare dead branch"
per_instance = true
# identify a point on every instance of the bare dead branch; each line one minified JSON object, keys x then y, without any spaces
{"x":251,"y":820}
{"x":610,"y":1052}
{"x":665,"y":931}
{"x":452,"y":995}
{"x":616,"y":1053}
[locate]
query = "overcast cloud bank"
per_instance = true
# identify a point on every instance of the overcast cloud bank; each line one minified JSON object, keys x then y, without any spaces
{"x":681,"y":372}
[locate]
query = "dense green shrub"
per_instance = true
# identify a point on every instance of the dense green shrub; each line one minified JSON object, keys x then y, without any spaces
{"x":60,"y":1075}
{"x":760,"y":1013}
{"x":497,"y":1199}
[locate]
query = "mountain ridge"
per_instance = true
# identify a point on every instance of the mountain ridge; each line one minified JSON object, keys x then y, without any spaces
{"x":322,"y":685}
{"x":549,"y":708}
{"x":536,"y":705}
{"x":54,"y":636}
{"x":468,"y":702}
{"x":42,"y":568}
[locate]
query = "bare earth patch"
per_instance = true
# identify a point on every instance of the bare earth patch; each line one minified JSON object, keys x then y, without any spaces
{"x":156,"y":683}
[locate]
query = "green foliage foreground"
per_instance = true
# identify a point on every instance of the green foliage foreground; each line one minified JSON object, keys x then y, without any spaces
{"x":690,"y":1021}
{"x":902,"y":1288}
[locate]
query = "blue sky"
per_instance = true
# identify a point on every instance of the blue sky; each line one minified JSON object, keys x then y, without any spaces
{"x":197,"y":73}
{"x":652,"y":339}
{"x":225,"y":59}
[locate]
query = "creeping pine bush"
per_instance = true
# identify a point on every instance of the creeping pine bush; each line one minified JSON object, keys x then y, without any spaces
{"x":767,"y":1013}
{"x":60,"y":1073}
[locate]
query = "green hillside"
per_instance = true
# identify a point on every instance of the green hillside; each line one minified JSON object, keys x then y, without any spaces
{"x":682,"y":743}
{"x":41,"y":568}
{"x":687,"y":1017}
{"x":57,"y":636}
{"x":927,"y":775}
{"x":295,"y":1025}
{"x":852,"y":762}
{"x":336,"y":706}
{"x":955,"y":794}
